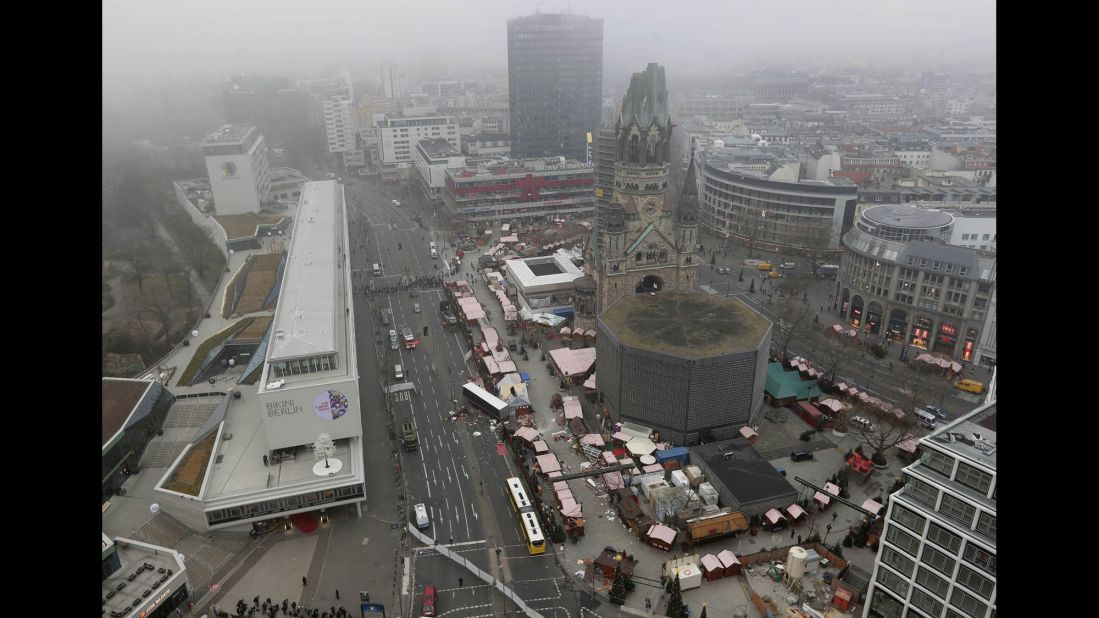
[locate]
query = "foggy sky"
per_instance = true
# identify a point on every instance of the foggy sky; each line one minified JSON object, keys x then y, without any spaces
{"x":146,"y":41}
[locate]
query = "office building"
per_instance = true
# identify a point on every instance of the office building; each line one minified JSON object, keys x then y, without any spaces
{"x":398,"y":136}
{"x":555,"y":84}
{"x":529,"y":190}
{"x":938,"y":546}
{"x":898,"y":278}
{"x":238,"y":168}
{"x":252,"y":459}
{"x":391,"y":82}
{"x":756,"y":196}
{"x":142,"y":580}
{"x":433,"y":157}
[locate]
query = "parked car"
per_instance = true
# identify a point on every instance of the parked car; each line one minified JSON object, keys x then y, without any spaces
{"x":416,"y":307}
{"x":800,"y":455}
{"x":862,"y":423}
{"x":936,"y":410}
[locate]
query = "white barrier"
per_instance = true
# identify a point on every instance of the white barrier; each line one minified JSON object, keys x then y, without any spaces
{"x":485,"y":577}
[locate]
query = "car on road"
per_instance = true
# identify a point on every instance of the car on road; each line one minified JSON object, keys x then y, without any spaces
{"x":802,"y":455}
{"x":862,"y":423}
{"x":398,"y":372}
{"x":392,"y":339}
{"x":970,"y":386}
{"x":722,"y":270}
{"x":330,"y":175}
{"x":416,"y":307}
{"x":936,"y":410}
{"x":429,"y":602}
{"x":774,"y":274}
{"x":422,"y":520}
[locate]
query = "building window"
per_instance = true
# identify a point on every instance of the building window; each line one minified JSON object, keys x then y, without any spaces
{"x":977,"y":556}
{"x":908,"y":518}
{"x":958,"y":510}
{"x":974,"y":478}
{"x":975,"y":581}
{"x":928,"y":579}
{"x":944,"y":538}
{"x":897,"y":560}
{"x":986,"y":524}
{"x":938,"y":560}
{"x":884,"y":605}
{"x":939,"y":462}
{"x":969,"y":603}
{"x":905,"y":541}
{"x":921,"y":492}
{"x":926,"y":602}
{"x":892,"y":581}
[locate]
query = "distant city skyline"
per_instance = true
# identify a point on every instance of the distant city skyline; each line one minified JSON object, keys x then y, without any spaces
{"x":203,"y":39}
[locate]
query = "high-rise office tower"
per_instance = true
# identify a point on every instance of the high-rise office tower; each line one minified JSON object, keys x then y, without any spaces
{"x":555,"y":82}
{"x":391,"y":82}
{"x":938,"y":543}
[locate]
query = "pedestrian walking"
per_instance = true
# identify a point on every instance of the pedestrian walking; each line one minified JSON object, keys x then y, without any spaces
{"x":304,"y":582}
{"x":791,"y":533}
{"x":460,"y":584}
{"x":835,"y":515}
{"x":337,"y":594}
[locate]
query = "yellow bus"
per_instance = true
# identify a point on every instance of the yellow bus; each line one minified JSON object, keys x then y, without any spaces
{"x":528,"y":519}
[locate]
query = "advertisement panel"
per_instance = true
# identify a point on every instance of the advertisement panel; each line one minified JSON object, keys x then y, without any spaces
{"x":295,"y":415}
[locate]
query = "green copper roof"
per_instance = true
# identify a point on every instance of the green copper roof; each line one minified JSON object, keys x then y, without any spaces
{"x":647,"y":98}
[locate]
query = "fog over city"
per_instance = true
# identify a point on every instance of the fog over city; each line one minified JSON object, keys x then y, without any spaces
{"x":153,"y":42}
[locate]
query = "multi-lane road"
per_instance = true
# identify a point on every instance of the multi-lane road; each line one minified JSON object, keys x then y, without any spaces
{"x":457,"y":471}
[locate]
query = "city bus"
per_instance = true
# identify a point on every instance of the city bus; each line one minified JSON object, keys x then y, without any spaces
{"x":528,"y":520}
{"x":484,"y":400}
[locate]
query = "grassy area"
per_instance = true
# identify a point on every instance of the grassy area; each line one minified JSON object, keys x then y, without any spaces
{"x":259,"y":282}
{"x":204,"y":348}
{"x":243,"y":226}
{"x":187,"y":477}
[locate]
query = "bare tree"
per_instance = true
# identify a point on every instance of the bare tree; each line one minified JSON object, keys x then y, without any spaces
{"x":795,"y":321}
{"x":197,"y":248}
{"x":887,"y":429}
{"x":833,"y":352}
{"x":919,"y":384}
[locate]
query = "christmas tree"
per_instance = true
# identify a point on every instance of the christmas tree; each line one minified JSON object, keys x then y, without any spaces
{"x":675,"y":601}
{"x":618,"y":589}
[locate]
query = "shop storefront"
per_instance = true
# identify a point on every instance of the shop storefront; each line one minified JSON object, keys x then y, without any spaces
{"x":921,"y":332}
{"x":970,"y":344}
{"x":946,"y":340}
{"x":856,"y":311}
{"x":898,"y":322}
{"x":873,"y":317}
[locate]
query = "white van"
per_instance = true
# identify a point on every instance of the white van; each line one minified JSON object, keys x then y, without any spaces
{"x":926,"y":418}
{"x":398,"y":372}
{"x":422,"y":519}
{"x":377,"y":270}
{"x":434,"y":251}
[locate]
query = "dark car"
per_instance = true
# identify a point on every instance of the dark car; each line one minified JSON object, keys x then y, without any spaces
{"x":800,"y":455}
{"x":937,"y":411}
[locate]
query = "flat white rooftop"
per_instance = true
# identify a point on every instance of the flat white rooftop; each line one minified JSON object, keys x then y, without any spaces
{"x":305,"y":319}
{"x":524,"y":273}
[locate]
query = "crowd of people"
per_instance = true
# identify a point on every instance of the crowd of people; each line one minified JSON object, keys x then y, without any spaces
{"x":286,"y":608}
{"x":420,"y":282}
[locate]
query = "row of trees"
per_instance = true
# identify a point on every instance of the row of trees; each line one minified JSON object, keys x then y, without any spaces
{"x":915,"y":385}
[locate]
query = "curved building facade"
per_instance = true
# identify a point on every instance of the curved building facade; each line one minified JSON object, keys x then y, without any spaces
{"x":898,"y":279}
{"x":772,"y":209}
